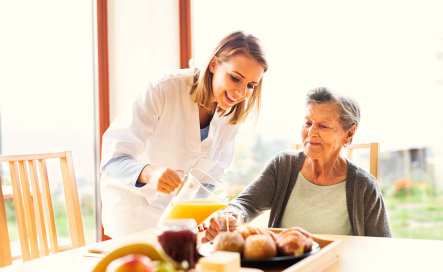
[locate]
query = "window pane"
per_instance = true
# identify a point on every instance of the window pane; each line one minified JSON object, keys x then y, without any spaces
{"x":46,"y":89}
{"x":388,"y":55}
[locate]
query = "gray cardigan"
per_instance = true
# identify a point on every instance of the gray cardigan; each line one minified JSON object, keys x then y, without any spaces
{"x":273,"y":187}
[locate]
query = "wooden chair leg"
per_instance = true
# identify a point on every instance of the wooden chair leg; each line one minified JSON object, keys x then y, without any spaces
{"x":5,"y":246}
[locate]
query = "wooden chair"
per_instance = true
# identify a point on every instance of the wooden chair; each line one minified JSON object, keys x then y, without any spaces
{"x":374,"y":161}
{"x":374,"y":169}
{"x":33,"y":206}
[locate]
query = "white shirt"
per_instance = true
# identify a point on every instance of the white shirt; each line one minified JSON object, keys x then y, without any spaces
{"x":161,"y":127}
{"x":126,"y":168}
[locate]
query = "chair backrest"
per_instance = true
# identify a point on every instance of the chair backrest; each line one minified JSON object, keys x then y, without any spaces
{"x":374,"y":150}
{"x":33,"y":206}
{"x":374,"y":161}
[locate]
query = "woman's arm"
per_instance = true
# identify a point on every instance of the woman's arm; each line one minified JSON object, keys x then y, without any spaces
{"x":125,"y":169}
{"x":133,"y":126}
{"x":126,"y":139}
{"x":258,"y":196}
{"x":376,"y":218}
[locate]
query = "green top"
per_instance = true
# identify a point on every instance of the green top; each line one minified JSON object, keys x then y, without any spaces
{"x":318,"y":209}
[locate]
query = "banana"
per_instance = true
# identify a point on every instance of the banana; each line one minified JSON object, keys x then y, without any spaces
{"x":153,"y":252}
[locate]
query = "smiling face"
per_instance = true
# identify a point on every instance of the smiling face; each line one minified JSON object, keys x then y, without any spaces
{"x":322,"y":133}
{"x":234,"y":80}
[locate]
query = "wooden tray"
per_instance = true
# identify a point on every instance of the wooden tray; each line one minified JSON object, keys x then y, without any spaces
{"x":324,"y":259}
{"x":328,"y":255}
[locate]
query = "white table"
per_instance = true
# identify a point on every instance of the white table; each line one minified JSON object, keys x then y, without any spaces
{"x":358,"y":254}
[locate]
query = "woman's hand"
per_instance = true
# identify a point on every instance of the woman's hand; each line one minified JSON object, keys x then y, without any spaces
{"x":212,"y":231}
{"x":202,"y":227}
{"x":218,"y":223}
{"x":166,"y":180}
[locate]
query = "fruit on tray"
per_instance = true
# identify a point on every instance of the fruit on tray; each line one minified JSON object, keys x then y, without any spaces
{"x":151,"y":251}
{"x":131,"y":263}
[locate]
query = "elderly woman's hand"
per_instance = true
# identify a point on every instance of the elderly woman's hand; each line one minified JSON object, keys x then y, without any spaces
{"x":212,"y":231}
{"x":219,"y":223}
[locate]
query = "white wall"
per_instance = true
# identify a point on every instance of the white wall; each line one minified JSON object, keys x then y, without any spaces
{"x":46,"y":77}
{"x":385,"y":54}
{"x":388,"y":55}
{"x":143,"y":39}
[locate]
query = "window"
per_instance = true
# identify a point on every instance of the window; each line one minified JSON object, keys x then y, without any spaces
{"x":386,"y":55}
{"x":47,"y":92}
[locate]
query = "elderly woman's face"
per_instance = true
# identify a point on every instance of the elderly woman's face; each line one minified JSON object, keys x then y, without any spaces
{"x":323,"y":135}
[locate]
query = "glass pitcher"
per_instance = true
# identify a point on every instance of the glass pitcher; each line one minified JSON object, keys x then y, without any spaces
{"x":199,"y":196}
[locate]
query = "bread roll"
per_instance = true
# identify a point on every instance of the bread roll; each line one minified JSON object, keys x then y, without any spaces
{"x":259,"y":246}
{"x":248,"y":230}
{"x":229,"y":241}
{"x":272,"y":234}
{"x":294,"y":241}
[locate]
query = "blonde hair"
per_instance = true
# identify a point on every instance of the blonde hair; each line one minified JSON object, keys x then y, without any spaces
{"x":233,"y":44}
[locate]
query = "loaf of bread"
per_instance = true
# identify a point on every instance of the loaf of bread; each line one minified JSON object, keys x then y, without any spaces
{"x":257,"y":243}
{"x":259,"y":246}
{"x":294,"y":241}
{"x":272,"y":234}
{"x":229,"y":241}
{"x":247,"y":230}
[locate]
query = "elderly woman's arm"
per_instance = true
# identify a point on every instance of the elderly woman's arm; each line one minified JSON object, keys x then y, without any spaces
{"x":255,"y":199}
{"x":365,"y":204}
{"x":259,"y":195}
{"x":376,"y":218}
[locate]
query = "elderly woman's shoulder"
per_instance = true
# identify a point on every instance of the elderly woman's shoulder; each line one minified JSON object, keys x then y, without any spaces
{"x":361,"y":176}
{"x":289,"y":155}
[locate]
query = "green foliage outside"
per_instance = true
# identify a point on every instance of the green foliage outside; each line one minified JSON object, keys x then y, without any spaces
{"x":248,"y":164}
{"x":415,"y":210}
{"x":60,"y":218}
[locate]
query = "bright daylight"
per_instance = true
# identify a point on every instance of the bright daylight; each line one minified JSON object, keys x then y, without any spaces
{"x":224,"y":136}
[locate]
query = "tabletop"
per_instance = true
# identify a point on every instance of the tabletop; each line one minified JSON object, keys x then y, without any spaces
{"x":357,"y":254}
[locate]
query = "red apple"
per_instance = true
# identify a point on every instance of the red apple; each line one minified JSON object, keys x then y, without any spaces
{"x":131,"y":263}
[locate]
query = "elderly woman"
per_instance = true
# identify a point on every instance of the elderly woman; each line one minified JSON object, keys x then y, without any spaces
{"x":318,"y":189}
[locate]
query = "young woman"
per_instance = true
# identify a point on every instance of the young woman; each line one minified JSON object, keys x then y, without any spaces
{"x":185,"y":119}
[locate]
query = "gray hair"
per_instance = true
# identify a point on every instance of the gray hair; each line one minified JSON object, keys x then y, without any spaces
{"x":349,"y":110}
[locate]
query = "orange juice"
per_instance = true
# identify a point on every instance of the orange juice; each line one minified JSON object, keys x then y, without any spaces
{"x":199,"y":209}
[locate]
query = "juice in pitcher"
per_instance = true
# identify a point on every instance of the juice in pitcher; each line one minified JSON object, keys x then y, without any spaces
{"x":198,"y":209}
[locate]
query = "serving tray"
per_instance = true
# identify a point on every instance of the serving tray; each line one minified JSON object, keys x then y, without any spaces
{"x":327,"y":257}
